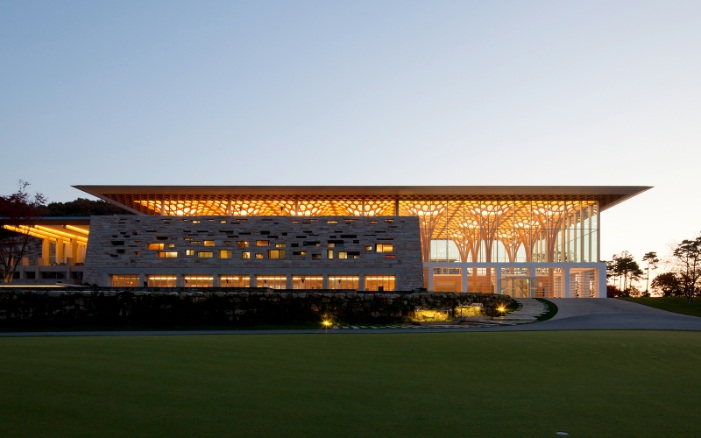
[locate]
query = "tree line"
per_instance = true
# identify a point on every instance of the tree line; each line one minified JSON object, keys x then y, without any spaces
{"x":681,"y":278}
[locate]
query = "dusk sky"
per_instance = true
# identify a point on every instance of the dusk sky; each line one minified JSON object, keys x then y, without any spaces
{"x":361,"y":93}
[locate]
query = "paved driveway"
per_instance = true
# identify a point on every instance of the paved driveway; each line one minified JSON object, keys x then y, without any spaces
{"x":610,"y":314}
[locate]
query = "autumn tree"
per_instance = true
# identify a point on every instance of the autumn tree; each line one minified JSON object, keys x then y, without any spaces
{"x":19,"y":208}
{"x":688,"y":255}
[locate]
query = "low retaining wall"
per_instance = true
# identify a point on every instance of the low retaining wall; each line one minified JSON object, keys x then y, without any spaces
{"x":213,"y":307}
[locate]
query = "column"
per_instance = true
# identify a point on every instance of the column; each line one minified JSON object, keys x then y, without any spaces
{"x":430,"y":278}
{"x":497,"y":280}
{"x":601,"y":280}
{"x":45,"y":252}
{"x":567,"y":282}
{"x":60,"y":252}
{"x":463,"y":278}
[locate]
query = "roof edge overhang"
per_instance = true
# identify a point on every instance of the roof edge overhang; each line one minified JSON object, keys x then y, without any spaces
{"x":610,"y":195}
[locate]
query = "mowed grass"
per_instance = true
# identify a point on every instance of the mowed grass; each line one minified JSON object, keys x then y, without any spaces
{"x":671,"y":304}
{"x":508,"y":384}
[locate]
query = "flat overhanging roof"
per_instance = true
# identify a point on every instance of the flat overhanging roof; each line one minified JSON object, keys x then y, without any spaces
{"x":130,"y":196}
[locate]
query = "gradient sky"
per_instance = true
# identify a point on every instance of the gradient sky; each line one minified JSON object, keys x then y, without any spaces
{"x":361,"y":93}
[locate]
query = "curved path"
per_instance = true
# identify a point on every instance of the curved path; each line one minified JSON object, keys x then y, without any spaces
{"x":610,"y":314}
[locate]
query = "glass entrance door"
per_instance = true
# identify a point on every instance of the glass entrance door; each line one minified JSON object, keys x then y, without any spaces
{"x":516,"y":287}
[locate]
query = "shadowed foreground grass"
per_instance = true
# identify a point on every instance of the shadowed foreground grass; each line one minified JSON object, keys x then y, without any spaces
{"x":420,"y":384}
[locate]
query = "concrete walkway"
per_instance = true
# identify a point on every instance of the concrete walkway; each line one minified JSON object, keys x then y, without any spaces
{"x":608,"y":314}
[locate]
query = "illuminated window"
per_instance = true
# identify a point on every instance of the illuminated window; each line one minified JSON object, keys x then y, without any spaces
{"x":368,"y":248}
{"x":162,"y":280}
{"x":246,"y":255}
{"x":242,"y":244}
{"x":208,"y":243}
{"x":125,"y":281}
{"x":155,"y":246}
{"x":299,"y":253}
{"x":262,"y":242}
{"x":276,"y":254}
{"x":272,"y":281}
{"x":205,"y":254}
{"x":344,"y":282}
{"x":307,"y":282}
{"x":189,"y":252}
{"x":342,"y":255}
{"x":259,"y":256}
{"x":235,"y":281}
{"x":167,"y":254}
{"x":225,"y":253}
{"x":198,"y":280}
{"x":384,"y":247}
{"x":171,"y":245}
{"x":280,"y":245}
{"x":329,"y":254}
{"x":381,"y":283}
{"x":195,"y":221}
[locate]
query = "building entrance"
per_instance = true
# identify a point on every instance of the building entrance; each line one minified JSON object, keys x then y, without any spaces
{"x":518,"y":287}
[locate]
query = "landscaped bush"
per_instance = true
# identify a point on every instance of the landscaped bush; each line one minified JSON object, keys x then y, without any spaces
{"x":222,"y":307}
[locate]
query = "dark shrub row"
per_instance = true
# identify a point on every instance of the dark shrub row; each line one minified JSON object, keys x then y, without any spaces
{"x":225,"y":307}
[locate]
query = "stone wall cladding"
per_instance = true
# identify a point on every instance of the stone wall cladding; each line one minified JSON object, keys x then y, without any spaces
{"x":120,"y":245}
{"x":221,"y":307}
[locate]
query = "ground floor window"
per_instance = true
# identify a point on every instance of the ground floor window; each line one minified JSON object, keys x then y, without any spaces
{"x":272,"y":281}
{"x":162,"y":281}
{"x":344,"y":282}
{"x":125,"y":281}
{"x":198,"y":280}
{"x":235,"y":281}
{"x":382,"y":283}
{"x":307,"y":282}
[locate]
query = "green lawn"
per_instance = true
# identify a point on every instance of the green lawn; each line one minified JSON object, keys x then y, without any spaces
{"x":671,"y":304}
{"x":594,"y":384}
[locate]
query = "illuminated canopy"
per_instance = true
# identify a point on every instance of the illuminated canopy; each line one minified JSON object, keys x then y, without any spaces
{"x":335,"y":200}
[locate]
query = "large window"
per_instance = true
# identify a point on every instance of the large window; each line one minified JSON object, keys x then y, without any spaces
{"x":125,"y":281}
{"x":162,"y":280}
{"x":382,"y":283}
{"x":307,"y":282}
{"x":272,"y":281}
{"x":235,"y":281}
{"x":198,"y":280}
{"x":349,"y":282}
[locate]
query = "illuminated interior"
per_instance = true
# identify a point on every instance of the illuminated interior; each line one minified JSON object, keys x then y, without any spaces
{"x":461,"y":224}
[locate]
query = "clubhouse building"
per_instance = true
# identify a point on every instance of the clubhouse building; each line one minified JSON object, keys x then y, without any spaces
{"x":520,"y":241}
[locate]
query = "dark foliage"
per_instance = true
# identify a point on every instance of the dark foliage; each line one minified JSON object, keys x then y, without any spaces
{"x":82,"y":207}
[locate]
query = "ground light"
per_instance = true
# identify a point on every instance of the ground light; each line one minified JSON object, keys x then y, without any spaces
{"x":326,"y":323}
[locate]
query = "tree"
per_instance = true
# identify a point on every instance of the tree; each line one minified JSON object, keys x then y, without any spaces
{"x":19,"y":208}
{"x":624,"y":267}
{"x":82,"y":207}
{"x":652,"y":261}
{"x":668,"y":283}
{"x":688,"y":254}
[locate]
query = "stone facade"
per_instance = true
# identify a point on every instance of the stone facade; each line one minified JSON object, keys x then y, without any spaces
{"x":362,"y":253}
